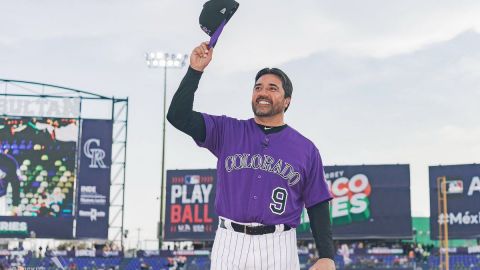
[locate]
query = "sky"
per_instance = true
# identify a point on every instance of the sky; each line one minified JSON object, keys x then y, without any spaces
{"x":375,"y":82}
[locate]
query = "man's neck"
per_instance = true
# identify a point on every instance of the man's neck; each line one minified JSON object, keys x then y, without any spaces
{"x":270,"y":121}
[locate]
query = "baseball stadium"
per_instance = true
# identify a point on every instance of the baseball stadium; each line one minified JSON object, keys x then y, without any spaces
{"x":206,"y":155}
{"x":67,"y":184}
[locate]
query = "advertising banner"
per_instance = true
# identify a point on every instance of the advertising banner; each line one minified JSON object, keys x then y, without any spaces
{"x":94,"y":179}
{"x":190,"y":198}
{"x":463,"y":200}
{"x":37,"y":176}
{"x":370,"y":202}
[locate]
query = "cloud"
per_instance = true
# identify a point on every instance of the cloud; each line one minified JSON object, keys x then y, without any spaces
{"x":370,"y":28}
{"x":260,"y":33}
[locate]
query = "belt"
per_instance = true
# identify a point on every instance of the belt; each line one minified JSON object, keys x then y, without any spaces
{"x":252,"y":230}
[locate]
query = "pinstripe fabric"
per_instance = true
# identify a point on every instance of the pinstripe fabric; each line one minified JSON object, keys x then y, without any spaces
{"x":238,"y":251}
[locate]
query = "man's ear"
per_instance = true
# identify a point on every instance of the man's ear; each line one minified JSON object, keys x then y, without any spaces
{"x":286,"y":102}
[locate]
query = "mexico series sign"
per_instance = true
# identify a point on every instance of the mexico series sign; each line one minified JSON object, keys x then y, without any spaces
{"x":463,"y":200}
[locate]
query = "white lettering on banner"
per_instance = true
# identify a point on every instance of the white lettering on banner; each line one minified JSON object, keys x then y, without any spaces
{"x":6,"y":252}
{"x":342,"y":186}
{"x":200,"y":193}
{"x":206,"y":189}
{"x":85,"y":253}
{"x":59,"y":252}
{"x":474,"y":185}
{"x":359,"y":204}
{"x":93,"y":200}
{"x":336,"y":174}
{"x":149,"y":253}
{"x":350,"y":195}
{"x":65,"y":107}
{"x":198,"y":228}
{"x":384,"y":250}
{"x":176,"y":193}
{"x":89,"y":196}
{"x":184,"y":228}
{"x":450,"y":250}
{"x":191,"y":252}
{"x":474,"y":249}
{"x":340,"y":207}
{"x":96,"y":155}
{"x":111,"y":253}
{"x":88,"y":189}
{"x":53,"y":109}
{"x":336,"y":186}
{"x":460,"y":218}
{"x":13,"y":226}
{"x":92,"y":214}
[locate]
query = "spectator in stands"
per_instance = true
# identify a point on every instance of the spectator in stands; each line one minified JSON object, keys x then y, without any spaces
{"x":181,"y":260}
{"x":360,"y":245}
{"x":312,"y":258}
{"x":72,"y":265}
{"x":345,"y":252}
{"x":171,"y":263}
{"x":144,"y":266}
{"x":396,"y":261}
{"x":411,"y":255}
{"x":193,"y":265}
{"x":94,"y":265}
{"x":418,"y":253}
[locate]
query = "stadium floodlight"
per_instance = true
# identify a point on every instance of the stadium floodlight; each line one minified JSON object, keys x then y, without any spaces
{"x":165,"y":61}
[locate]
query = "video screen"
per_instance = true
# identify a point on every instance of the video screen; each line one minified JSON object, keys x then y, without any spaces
{"x":37,"y":166}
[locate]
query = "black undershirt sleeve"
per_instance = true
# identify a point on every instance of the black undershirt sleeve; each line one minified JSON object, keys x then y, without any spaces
{"x":321,"y":226}
{"x":181,"y":114}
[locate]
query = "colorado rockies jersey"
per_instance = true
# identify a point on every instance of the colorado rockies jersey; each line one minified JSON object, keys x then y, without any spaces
{"x":264,"y":178}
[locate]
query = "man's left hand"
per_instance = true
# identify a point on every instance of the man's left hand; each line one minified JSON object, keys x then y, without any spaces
{"x":323,"y":264}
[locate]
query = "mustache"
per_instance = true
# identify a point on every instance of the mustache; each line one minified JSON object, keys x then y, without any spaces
{"x":264,"y":98}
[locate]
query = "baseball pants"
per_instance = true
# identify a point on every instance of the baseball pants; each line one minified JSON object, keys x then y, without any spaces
{"x":239,"y":251}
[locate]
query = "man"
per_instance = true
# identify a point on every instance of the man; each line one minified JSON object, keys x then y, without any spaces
{"x":267,"y":172}
{"x":8,"y":175}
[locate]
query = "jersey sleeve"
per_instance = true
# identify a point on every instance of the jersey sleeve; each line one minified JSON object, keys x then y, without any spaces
{"x":315,"y":189}
{"x":214,"y":130}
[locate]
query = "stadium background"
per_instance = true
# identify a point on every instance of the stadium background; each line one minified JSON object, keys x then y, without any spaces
{"x":65,"y":179}
{"x":394,"y":82}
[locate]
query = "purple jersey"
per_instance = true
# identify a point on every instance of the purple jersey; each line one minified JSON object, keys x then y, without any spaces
{"x":264,"y":178}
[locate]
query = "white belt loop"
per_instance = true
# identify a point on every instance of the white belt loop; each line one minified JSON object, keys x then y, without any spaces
{"x":227,"y":222}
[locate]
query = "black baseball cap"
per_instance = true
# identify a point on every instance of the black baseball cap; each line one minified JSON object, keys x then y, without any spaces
{"x":214,"y":16}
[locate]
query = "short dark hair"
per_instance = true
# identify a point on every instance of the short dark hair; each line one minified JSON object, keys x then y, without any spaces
{"x":286,"y":83}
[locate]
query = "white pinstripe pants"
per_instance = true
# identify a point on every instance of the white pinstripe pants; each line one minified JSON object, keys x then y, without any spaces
{"x":238,"y":251}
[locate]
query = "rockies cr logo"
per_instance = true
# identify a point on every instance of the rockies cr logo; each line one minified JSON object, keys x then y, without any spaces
{"x":96,"y":155}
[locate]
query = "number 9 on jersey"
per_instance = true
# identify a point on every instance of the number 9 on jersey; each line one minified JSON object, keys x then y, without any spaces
{"x":279,"y":198}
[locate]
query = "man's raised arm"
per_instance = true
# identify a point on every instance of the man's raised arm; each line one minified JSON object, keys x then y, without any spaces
{"x":181,"y":114}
